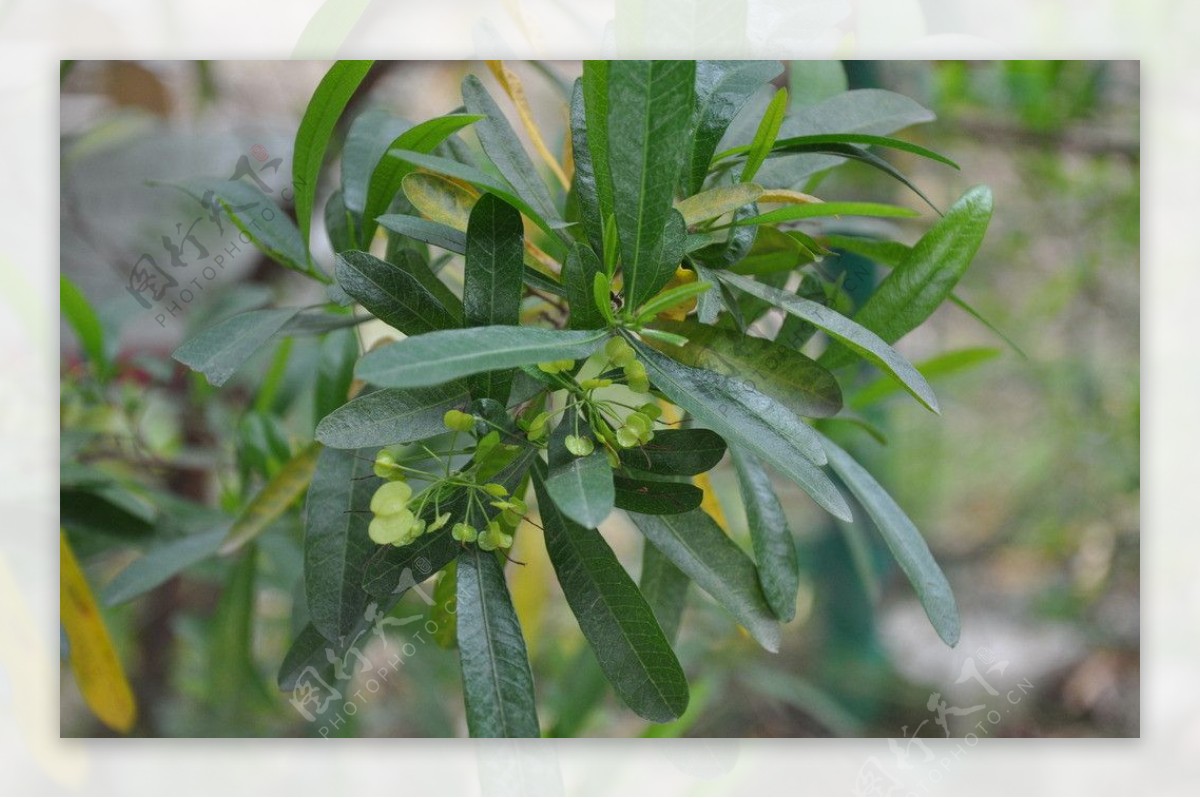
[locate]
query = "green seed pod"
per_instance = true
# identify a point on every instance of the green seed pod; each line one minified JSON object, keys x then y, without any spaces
{"x":639,"y":422}
{"x":464,"y":533}
{"x":579,"y":446}
{"x":627,"y":437}
{"x":619,"y":351}
{"x":651,"y":410}
{"x":387,"y":529}
{"x":391,"y":498}
{"x":505,"y":540}
{"x":458,"y":421}
{"x":385,"y":466}
{"x":594,"y":383}
{"x":495,"y":489}
{"x":487,"y":540}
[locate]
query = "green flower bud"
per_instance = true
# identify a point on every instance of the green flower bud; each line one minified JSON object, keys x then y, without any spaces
{"x":505,"y":540}
{"x":385,"y":466}
{"x":595,"y":382}
{"x":619,"y":351}
{"x":458,"y":421}
{"x":495,"y":489}
{"x":391,"y":498}
{"x":579,"y":446}
{"x":635,"y":376}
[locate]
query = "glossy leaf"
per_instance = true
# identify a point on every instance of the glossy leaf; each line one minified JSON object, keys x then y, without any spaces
{"x":905,"y":542}
{"x":742,"y":415}
{"x":785,"y":375}
{"x":312,"y":137}
{"x":864,"y":342}
{"x":336,"y":545}
{"x":581,"y":487}
{"x":589,"y":121}
{"x":437,"y":234}
{"x":219,"y":351}
{"x":389,"y":173}
{"x":94,"y":661}
{"x":717,"y":201}
{"x":614,"y":617}
{"x":774,"y":547}
{"x":391,"y":294}
{"x":492,"y":280}
{"x":791,"y":213}
{"x":699,"y":548}
{"x":272,"y":500}
{"x":161,"y":563}
{"x":650,"y":105}
{"x":677,"y":452}
{"x":504,"y":149}
{"x":442,"y":356}
{"x":764,"y":137}
{"x":391,"y":415}
{"x":722,"y":89}
{"x":654,"y":497}
{"x":928,"y":274}
{"x":497,"y":682}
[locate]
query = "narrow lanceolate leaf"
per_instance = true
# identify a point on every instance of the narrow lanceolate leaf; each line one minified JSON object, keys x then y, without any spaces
{"x":416,"y":265}
{"x":257,"y":216}
{"x":336,"y":545}
{"x":722,"y":88}
{"x":861,"y":340}
{"x":94,"y":661}
{"x":335,"y":371}
{"x":83,"y":319}
{"x":616,"y":620}
{"x":764,"y":137}
{"x":441,"y":199}
{"x":497,"y":682}
{"x":391,"y":294}
{"x":437,"y":234}
{"x":581,"y":487}
{"x":274,"y":498}
{"x":650,"y":104}
{"x":391,"y":415}
{"x":677,"y":452}
{"x":653,"y":497}
{"x":390,"y":172}
{"x":774,"y":548}
{"x":664,"y":587}
{"x":942,"y":365}
{"x":742,"y":415}
{"x":697,"y":546}
{"x":222,"y":349}
{"x":579,"y":275}
{"x":788,"y":377}
{"x":503,"y":148}
{"x":589,"y":125}
{"x":438,"y":357}
{"x":905,"y":542}
{"x":516,"y":92}
{"x":368,"y":140}
{"x":804,"y":144}
{"x":928,"y":273}
{"x":159,"y":564}
{"x":717,"y":201}
{"x":817,"y":210}
{"x":312,"y":137}
{"x":492,"y":280}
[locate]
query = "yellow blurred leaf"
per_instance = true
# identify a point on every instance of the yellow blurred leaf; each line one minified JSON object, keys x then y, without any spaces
{"x":717,"y":201}
{"x":275,"y":497}
{"x":94,"y":661}
{"x":516,"y":92}
{"x":787,"y":197}
{"x":441,"y":199}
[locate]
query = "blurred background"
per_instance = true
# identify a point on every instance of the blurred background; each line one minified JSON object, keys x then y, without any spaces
{"x":1026,"y":486}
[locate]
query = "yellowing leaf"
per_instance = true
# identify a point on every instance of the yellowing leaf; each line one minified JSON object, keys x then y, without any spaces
{"x":787,"y":197}
{"x":275,"y":497}
{"x":440,"y":198}
{"x":516,"y":92}
{"x":717,"y":201}
{"x":94,"y":661}
{"x":709,"y":504}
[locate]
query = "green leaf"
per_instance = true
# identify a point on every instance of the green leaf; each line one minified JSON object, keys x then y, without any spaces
{"x":579,"y":273}
{"x":819,"y":144}
{"x":742,"y":415}
{"x":590,"y":114}
{"x":492,"y":279}
{"x":438,"y":357}
{"x":257,"y":217}
{"x":764,"y":137}
{"x":717,"y":201}
{"x":312,"y":137}
{"x":699,"y":548}
{"x":413,"y":263}
{"x":927,"y":275}
{"x":654,"y":497}
{"x":219,"y":351}
{"x":676,"y":452}
{"x":391,"y":294}
{"x":791,"y":213}
{"x":650,"y":104}
{"x":664,"y":587}
{"x":367,"y":141}
{"x":273,"y":500}
{"x":340,"y":224}
{"x":905,"y":542}
{"x":942,"y":365}
{"x":670,"y":298}
{"x":159,"y":564}
{"x":435,"y":233}
{"x":389,"y":173}
{"x":83,"y":320}
{"x":231,"y":675}
{"x":774,"y":548}
{"x":336,"y":545}
{"x":497,"y":682}
{"x":503,"y":148}
{"x":581,"y":487}
{"x":785,"y":375}
{"x":866,"y":343}
{"x":335,"y":371}
{"x":773,"y":251}
{"x":810,"y":82}
{"x":391,"y":415}
{"x":722,"y":89}
{"x":619,"y":625}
